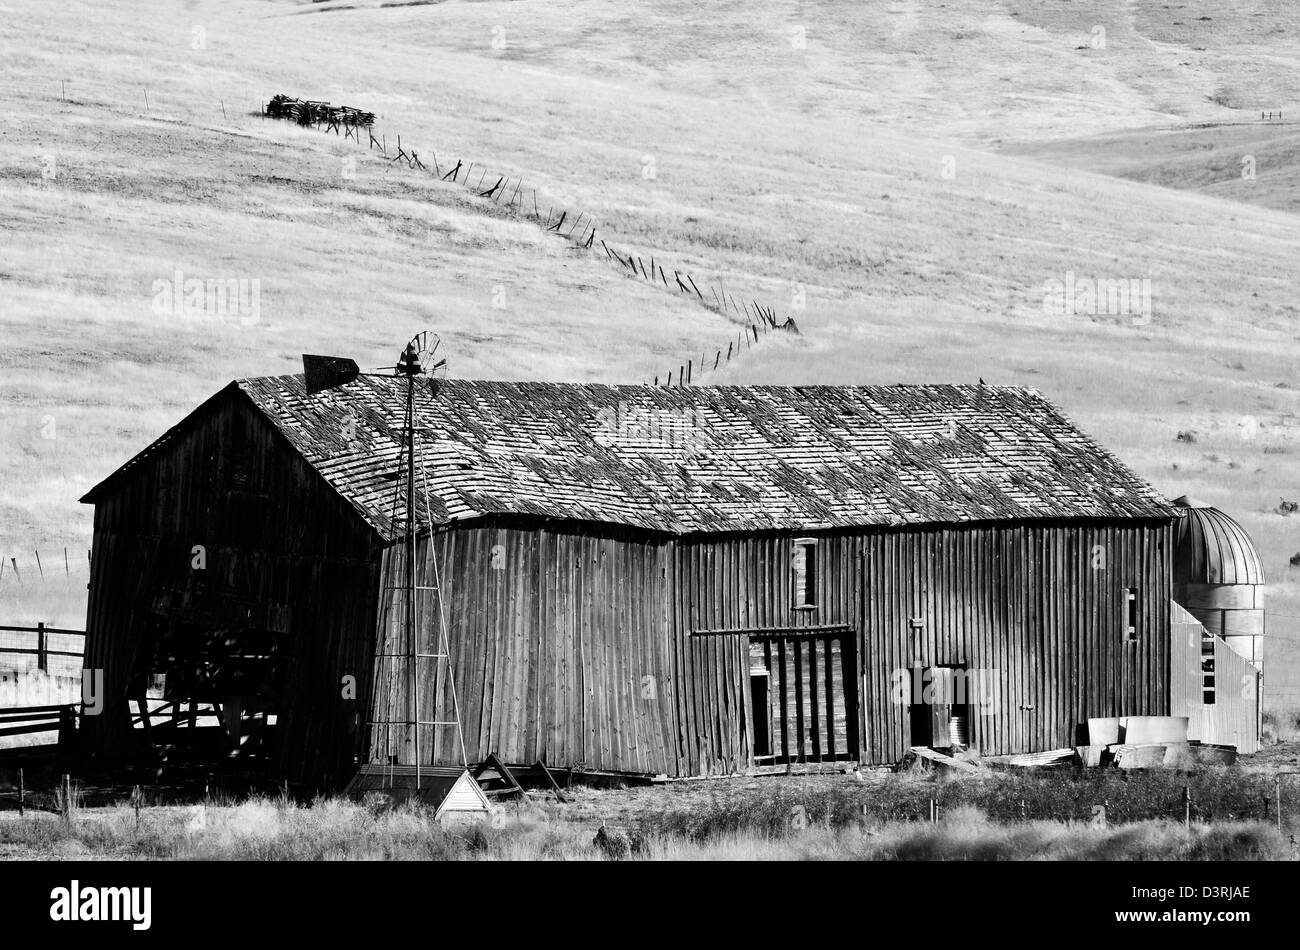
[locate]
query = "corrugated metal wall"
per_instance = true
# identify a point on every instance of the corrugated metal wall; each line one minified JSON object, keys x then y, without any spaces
{"x":1233,"y":717}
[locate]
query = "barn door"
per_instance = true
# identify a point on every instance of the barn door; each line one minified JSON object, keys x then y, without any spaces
{"x":804,"y":696}
{"x":941,"y":706}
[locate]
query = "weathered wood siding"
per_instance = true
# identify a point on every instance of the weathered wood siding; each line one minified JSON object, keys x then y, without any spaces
{"x":1040,"y":606}
{"x":284,"y":554}
{"x":617,"y":650}
{"x":560,"y":643}
{"x":729,"y":590}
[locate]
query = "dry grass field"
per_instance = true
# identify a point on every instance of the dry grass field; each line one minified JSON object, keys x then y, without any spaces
{"x":1046,"y":817}
{"x":913,"y":174}
{"x":339,"y":831}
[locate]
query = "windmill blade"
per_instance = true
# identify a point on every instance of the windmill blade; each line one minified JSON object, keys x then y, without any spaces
{"x":422,"y":356}
{"x":327,"y":372}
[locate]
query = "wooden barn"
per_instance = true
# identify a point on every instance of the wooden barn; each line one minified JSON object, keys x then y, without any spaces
{"x":679,"y":581}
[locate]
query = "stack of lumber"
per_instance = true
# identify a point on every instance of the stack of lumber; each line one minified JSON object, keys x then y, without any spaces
{"x":314,"y":112}
{"x":350,"y":116}
{"x":927,"y":757}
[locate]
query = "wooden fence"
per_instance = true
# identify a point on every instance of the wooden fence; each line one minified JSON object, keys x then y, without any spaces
{"x":43,"y":642}
{"x":9,"y":564}
{"x":508,"y":191}
{"x":48,"y":649}
{"x":26,"y":720}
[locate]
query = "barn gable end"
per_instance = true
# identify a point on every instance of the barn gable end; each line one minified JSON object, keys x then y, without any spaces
{"x":222,"y":560}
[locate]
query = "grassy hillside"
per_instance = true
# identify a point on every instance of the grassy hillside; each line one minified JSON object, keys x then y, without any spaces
{"x":1257,"y":162}
{"x":845,"y":150}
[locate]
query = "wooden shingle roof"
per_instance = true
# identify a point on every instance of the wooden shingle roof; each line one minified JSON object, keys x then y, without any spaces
{"x":708,"y":459}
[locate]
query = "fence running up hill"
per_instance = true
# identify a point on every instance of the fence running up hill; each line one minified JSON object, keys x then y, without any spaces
{"x":510,"y":192}
{"x":506,"y":190}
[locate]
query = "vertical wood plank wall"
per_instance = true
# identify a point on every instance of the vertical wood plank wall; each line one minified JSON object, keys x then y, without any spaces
{"x":1038,"y":606}
{"x":582,"y":646}
{"x":560,"y":645}
{"x":283,"y":553}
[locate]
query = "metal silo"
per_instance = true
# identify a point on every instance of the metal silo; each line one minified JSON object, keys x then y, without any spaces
{"x":1218,"y":578}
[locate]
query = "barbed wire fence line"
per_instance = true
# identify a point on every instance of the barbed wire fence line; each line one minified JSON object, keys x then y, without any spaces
{"x":36,"y":569}
{"x":508,"y":191}
{"x":512,"y":193}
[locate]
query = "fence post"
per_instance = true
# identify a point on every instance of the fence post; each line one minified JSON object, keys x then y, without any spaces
{"x":42,"y":659}
{"x":65,"y":797}
{"x":22,"y":794}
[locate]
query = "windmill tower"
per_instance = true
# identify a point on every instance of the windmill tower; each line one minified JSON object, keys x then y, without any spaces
{"x":412,"y":661}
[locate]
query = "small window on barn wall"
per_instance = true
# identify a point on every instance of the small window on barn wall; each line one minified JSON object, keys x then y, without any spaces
{"x":1130,"y":613}
{"x":1207,"y":669}
{"x":803,"y":571}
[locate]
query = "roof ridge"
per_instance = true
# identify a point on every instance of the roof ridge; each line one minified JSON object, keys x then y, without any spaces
{"x":991,"y":387}
{"x":688,"y":459}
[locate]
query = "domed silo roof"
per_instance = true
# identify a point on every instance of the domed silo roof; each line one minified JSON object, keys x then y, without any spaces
{"x":1211,"y":548}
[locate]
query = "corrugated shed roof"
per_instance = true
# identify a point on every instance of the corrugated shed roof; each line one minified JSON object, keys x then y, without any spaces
{"x":708,"y":459}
